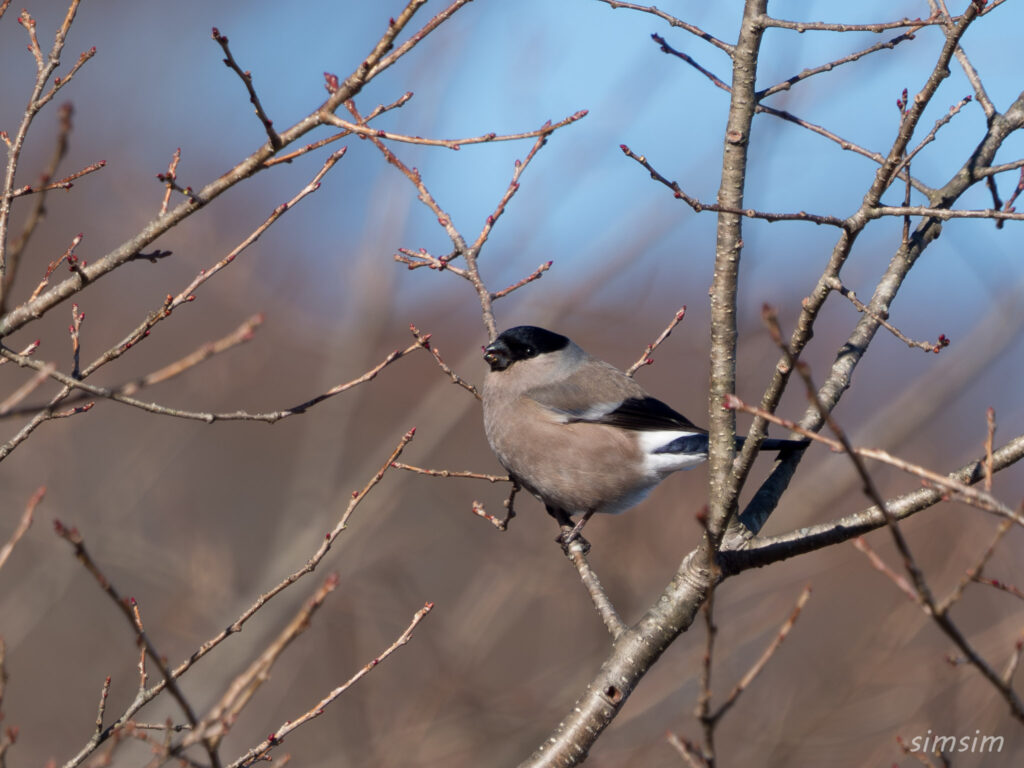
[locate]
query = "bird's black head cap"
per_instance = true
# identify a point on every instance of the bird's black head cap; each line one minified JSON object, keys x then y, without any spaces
{"x":522,"y":343}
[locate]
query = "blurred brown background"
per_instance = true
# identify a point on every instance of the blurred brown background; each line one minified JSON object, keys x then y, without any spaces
{"x":195,"y":521}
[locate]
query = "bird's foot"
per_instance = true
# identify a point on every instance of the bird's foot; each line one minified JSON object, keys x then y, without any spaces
{"x":569,"y":536}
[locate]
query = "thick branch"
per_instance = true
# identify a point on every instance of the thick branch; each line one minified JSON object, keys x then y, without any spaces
{"x":742,"y":555}
{"x":633,"y":653}
{"x":722,"y":424}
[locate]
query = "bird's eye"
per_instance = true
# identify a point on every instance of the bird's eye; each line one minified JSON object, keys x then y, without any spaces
{"x":529,"y":352}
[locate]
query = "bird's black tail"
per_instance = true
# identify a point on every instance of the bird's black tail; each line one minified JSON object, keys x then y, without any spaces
{"x":775,"y":444}
{"x":697,"y":444}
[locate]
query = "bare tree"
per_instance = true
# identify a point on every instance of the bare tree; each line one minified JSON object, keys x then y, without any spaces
{"x":731,"y":543}
{"x":195,"y":728}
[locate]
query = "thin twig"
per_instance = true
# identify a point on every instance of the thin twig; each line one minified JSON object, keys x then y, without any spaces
{"x":750,"y":213}
{"x":689,"y":752}
{"x":765,"y":657}
{"x":1014,"y":662}
{"x":64,"y":183}
{"x":102,"y":705}
{"x":53,"y":265}
{"x":944,"y":214}
{"x":23,"y":525}
{"x":535,"y":275}
{"x":29,"y":350}
{"x":782,"y":114}
{"x":1002,"y":586}
{"x":577,"y":554}
{"x":837,"y":285}
{"x":240,"y":335}
{"x":225,"y":713}
{"x":73,"y":537}
{"x":46,"y":414}
{"x":287,"y":158}
{"x":513,"y":186}
{"x":311,"y":564}
{"x":261,"y":751}
{"x":993,"y":170}
{"x":922,"y":758}
{"x":974,"y":572}
{"x":645,"y":358}
{"x":821,"y":26}
{"x":137,"y":619}
{"x":38,"y":211}
{"x":8,"y":736}
{"x":424,"y":341}
{"x":930,"y":137}
{"x":9,"y":403}
{"x":176,"y":727}
{"x":870,"y":488}
{"x":417,"y":180}
{"x":395,"y":25}
{"x":208,"y":417}
{"x":451,"y":473}
{"x":77,"y":318}
{"x":675,"y":22}
{"x":380,"y":109}
{"x":188,"y":293}
{"x":1009,"y":205}
{"x":472,"y":254}
{"x":786,"y":84}
{"x":703,"y":709}
{"x":169,"y":180}
{"x":879,"y":565}
{"x":246,"y":77}
{"x":421,"y":258}
{"x":843,"y":143}
{"x":965,"y":63}
{"x":509,"y":503}
{"x":479,"y":510}
{"x":60,"y":82}
{"x":361,"y":129}
{"x":990,"y":433}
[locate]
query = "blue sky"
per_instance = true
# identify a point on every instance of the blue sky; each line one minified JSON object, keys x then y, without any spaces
{"x":157,"y":83}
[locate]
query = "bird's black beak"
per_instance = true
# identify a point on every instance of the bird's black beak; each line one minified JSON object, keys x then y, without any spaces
{"x":497,"y":355}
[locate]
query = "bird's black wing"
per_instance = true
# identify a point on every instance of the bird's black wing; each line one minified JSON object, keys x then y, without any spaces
{"x":648,"y":414}
{"x":643,"y":414}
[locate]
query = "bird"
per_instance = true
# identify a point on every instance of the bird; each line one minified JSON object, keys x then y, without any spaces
{"x":578,"y":433}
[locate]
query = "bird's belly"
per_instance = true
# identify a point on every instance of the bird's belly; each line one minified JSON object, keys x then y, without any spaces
{"x":576,"y":467}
